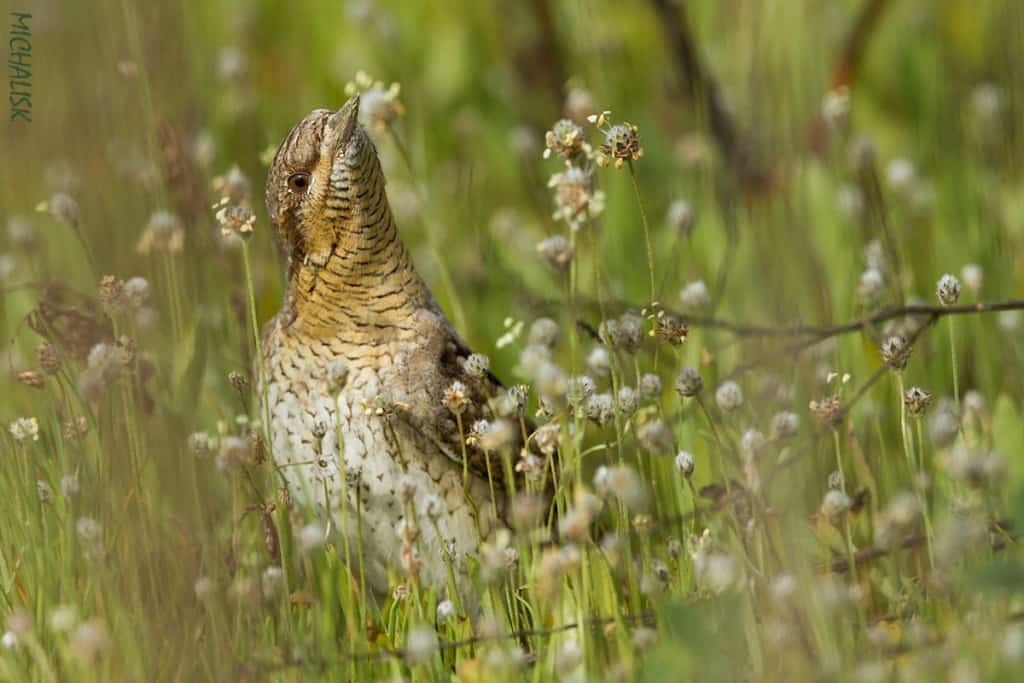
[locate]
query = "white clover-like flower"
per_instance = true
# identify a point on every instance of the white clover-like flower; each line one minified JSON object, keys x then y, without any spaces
{"x":685,"y":463}
{"x":948,"y":289}
{"x":24,"y":429}
{"x":729,"y":396}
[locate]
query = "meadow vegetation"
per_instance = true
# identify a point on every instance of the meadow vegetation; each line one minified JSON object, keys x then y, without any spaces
{"x":757,"y":267}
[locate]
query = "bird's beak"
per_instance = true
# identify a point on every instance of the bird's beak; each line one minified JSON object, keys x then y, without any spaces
{"x":342,"y":125}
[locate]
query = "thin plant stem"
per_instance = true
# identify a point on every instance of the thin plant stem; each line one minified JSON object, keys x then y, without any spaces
{"x":647,"y":230}
{"x":956,"y":374}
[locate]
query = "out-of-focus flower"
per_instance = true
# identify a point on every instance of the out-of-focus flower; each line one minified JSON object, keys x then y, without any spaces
{"x":164,"y":232}
{"x":565,"y":139}
{"x":729,"y":396}
{"x":973,"y":277}
{"x":576,"y":200}
{"x":556,"y":251}
{"x":680,"y":217}
{"x":695,"y":296}
{"x":235,"y":220}
{"x":24,"y":429}
{"x":62,"y":207}
{"x":379,"y":106}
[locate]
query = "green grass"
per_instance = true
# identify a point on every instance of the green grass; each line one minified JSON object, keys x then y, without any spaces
{"x":169,"y":580}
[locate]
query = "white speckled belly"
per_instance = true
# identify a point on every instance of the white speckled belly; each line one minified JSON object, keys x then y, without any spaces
{"x":308,"y":425}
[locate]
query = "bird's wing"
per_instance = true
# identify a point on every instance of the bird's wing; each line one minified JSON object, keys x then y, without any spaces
{"x":442,"y":362}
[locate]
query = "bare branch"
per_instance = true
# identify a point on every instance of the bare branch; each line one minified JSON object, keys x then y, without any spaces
{"x":736,"y":146}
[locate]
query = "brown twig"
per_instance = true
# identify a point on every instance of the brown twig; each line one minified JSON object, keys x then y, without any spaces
{"x":841,"y":565}
{"x":855,"y":44}
{"x":824,"y":331}
{"x":735,"y":144}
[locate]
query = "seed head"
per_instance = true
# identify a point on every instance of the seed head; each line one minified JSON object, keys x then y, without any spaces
{"x":136,"y":292}
{"x":599,"y":361}
{"x":456,"y":398}
{"x":163,"y":233}
{"x":201,"y":444}
{"x":421,"y":643}
{"x":752,"y":443}
{"x":564,"y":139}
{"x":917,"y":401}
{"x":24,"y":429}
{"x":695,"y":296}
{"x":650,"y":386}
{"x":477,"y":365}
{"x":729,"y":396}
{"x":896,"y":352}
{"x":685,"y":463}
{"x":337,"y":375}
{"x":621,"y":144}
{"x":973,"y":277}
{"x":625,"y":333}
{"x":238,"y":381}
{"x":90,"y":640}
{"x":234,"y":452}
{"x":579,"y":104}
{"x":871,"y":286}
{"x":576,"y":200}
{"x":556,"y":251}
{"x":600,"y":409}
{"x":943,"y":424}
{"x":63,"y":208}
{"x":628,"y":401}
{"x":624,"y":483}
{"x":835,"y":504}
{"x":680,"y":217}
{"x":901,"y":175}
{"x":111,"y":294}
{"x":69,"y":486}
{"x":89,"y":530}
{"x":236,"y":220}
{"x":689,"y":383}
{"x":671,"y":330}
{"x":827,"y":409}
{"x":445,"y":611}
{"x":580,"y":389}
{"x":234,"y":186}
{"x":655,"y":436}
{"x":311,"y":538}
{"x":379,"y":108}
{"x":785,"y":424}
{"x":544,"y":332}
{"x":948,"y":289}
{"x":548,"y":438}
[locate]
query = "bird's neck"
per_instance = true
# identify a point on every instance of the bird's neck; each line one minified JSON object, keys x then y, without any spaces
{"x":363,"y":286}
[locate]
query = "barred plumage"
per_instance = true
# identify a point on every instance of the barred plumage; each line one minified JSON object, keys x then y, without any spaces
{"x":353,"y":294}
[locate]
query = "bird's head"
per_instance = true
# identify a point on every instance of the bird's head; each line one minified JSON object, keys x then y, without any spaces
{"x":316,"y":182}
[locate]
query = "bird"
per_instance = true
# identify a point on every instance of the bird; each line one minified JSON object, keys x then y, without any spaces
{"x":371,"y":393}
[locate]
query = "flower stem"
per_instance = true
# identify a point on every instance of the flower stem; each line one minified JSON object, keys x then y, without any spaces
{"x":956,"y":374}
{"x":647,"y":230}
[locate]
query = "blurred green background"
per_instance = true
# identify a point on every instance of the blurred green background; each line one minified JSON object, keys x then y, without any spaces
{"x":140,"y":106}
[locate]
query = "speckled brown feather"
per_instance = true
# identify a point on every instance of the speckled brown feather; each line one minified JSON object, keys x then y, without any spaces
{"x":354,"y":296}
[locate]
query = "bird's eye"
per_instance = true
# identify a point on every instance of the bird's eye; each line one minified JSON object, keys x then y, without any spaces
{"x":298,"y":182}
